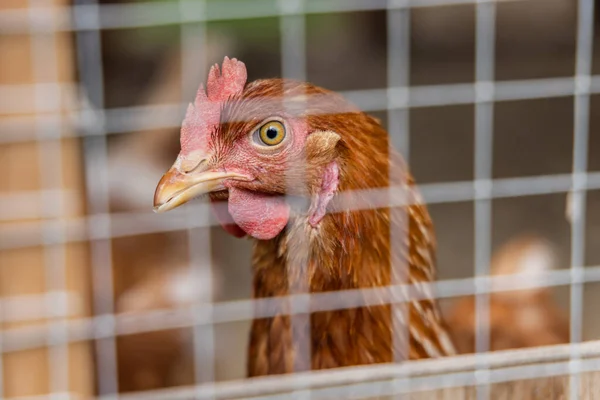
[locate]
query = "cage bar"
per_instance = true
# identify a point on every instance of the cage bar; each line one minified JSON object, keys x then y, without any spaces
{"x":90,"y":65}
{"x":484,"y":115}
{"x":144,"y":14}
{"x":398,"y":121}
{"x":292,"y":31}
{"x":137,"y":223}
{"x":583,"y":69}
{"x":193,"y":54}
{"x":81,"y":329}
{"x":126,"y":119}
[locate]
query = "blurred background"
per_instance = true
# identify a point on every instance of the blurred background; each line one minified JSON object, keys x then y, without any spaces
{"x":89,"y":121}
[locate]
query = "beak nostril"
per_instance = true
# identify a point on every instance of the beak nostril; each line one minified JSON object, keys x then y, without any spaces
{"x":176,"y":188}
{"x":200,"y":164}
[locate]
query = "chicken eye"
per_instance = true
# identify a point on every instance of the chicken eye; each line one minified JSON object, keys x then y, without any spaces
{"x":272,"y":133}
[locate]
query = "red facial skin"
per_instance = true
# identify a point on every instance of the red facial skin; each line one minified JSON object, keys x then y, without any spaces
{"x":252,"y":210}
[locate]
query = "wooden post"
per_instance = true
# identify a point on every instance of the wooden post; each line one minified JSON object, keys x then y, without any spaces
{"x":35,"y":270}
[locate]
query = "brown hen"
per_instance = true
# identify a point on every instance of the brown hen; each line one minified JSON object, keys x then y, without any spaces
{"x":265,"y":146}
{"x":518,"y":318}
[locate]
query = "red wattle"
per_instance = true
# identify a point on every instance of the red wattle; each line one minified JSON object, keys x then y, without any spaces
{"x":220,"y":210}
{"x":259,"y":215}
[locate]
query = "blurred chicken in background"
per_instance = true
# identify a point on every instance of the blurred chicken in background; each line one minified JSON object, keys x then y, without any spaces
{"x":162,"y":358}
{"x":519,"y":318}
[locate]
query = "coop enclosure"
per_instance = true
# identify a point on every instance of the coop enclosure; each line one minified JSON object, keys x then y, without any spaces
{"x":494,"y":104}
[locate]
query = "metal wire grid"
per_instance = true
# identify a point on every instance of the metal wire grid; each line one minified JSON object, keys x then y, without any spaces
{"x":87,"y":18}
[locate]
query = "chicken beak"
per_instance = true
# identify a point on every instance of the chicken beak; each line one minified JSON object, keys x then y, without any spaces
{"x":176,"y":188}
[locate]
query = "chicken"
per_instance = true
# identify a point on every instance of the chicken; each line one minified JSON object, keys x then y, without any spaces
{"x":244,"y":145}
{"x":518,"y":318}
{"x":170,"y":287}
{"x":162,"y":358}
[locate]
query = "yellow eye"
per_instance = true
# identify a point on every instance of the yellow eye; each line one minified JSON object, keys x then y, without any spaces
{"x":272,"y":133}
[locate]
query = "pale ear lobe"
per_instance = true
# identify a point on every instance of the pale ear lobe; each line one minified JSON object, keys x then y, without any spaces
{"x":320,"y":199}
{"x":320,"y":146}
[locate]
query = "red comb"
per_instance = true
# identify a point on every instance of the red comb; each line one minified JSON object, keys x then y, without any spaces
{"x":203,"y":116}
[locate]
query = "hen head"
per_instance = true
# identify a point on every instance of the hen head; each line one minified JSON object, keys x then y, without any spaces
{"x":257,"y":146}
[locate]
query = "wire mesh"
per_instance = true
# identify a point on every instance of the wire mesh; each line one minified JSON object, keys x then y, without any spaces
{"x":31,"y":218}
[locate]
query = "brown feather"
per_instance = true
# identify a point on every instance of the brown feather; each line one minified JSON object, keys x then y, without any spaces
{"x":349,"y":250}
